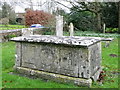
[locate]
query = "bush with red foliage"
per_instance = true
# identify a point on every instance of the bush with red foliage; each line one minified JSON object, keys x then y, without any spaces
{"x":38,"y":17}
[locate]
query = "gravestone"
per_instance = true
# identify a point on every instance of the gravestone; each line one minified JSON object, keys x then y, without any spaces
{"x":71,"y":29}
{"x":59,"y":25}
{"x":104,"y":26}
{"x":27,"y":31}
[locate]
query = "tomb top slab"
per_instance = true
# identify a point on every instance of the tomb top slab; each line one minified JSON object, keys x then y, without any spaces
{"x":66,"y":40}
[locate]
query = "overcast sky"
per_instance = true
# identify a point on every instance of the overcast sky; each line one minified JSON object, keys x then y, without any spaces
{"x":20,"y":5}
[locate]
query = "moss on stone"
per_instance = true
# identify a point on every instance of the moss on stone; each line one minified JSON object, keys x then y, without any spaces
{"x":55,"y":77}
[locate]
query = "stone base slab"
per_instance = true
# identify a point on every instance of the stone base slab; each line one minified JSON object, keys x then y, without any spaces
{"x":54,"y":77}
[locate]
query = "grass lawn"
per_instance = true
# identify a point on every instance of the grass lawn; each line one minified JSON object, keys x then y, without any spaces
{"x":109,"y":63}
{"x":10,"y":27}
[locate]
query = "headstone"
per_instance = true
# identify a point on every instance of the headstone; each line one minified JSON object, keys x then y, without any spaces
{"x":104,"y":28}
{"x":59,"y":25}
{"x":27,"y":31}
{"x":71,"y":30}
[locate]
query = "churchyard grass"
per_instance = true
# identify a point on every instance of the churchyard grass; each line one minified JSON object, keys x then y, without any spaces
{"x":10,"y":27}
{"x":109,"y":64}
{"x":93,"y":34}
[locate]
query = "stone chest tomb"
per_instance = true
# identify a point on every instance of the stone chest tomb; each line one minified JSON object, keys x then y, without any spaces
{"x":73,"y":59}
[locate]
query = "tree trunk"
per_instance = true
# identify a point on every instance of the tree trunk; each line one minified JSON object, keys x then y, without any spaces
{"x":119,"y":18}
{"x":98,"y":17}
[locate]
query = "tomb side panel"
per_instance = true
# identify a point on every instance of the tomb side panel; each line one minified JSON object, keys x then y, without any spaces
{"x":28,"y":55}
{"x":47,"y":58}
{"x":69,"y":61}
{"x":95,"y":60}
{"x":84,"y":63}
{"x":41,"y":56}
{"x":18,"y":55}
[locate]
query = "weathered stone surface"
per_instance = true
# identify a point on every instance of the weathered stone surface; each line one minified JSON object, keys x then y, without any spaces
{"x":59,"y":25}
{"x":77,"y":41}
{"x":18,"y":54}
{"x":5,"y":34}
{"x":55,"y":77}
{"x":95,"y":60}
{"x":71,"y":29}
{"x":78,"y":57}
{"x":9,"y":31}
{"x":32,"y":31}
{"x":27,"y":31}
{"x":50,"y":58}
{"x":39,"y":31}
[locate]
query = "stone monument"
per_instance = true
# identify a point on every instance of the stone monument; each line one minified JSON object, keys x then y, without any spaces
{"x":75,"y":60}
{"x":71,"y":29}
{"x":59,"y":25}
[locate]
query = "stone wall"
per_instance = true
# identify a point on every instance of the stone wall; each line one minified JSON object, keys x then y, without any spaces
{"x":6,"y":35}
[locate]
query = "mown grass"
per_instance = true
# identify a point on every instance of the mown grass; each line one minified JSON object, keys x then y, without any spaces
{"x":92,"y":34}
{"x":109,"y":63}
{"x":10,"y":27}
{"x":14,"y":81}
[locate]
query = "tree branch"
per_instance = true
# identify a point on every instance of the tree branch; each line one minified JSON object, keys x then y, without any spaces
{"x":61,"y":4}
